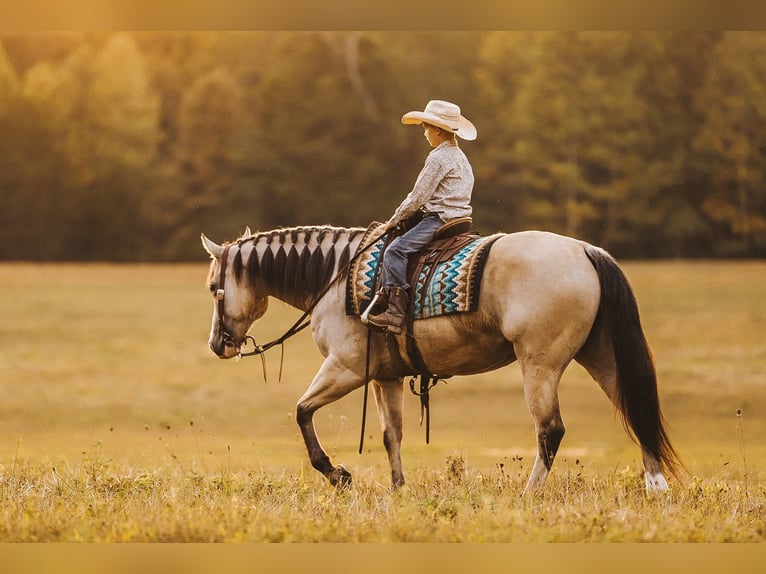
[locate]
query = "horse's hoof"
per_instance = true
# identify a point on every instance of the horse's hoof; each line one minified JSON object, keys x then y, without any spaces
{"x":655,"y":482}
{"x":340,"y":478}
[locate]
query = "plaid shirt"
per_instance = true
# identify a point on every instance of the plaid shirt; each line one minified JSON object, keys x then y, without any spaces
{"x":443,"y":186}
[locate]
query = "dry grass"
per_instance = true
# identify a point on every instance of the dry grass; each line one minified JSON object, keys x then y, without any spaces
{"x":97,"y":500}
{"x":117,"y":424}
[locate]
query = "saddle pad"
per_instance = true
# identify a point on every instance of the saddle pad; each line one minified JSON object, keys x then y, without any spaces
{"x":452,"y":286}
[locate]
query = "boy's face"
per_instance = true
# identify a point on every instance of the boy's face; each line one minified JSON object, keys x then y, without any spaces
{"x":432,"y":134}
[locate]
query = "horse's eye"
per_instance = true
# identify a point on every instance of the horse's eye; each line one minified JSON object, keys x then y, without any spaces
{"x":211,"y":288}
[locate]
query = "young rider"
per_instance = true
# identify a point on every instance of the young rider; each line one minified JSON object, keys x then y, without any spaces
{"x":442,"y":193}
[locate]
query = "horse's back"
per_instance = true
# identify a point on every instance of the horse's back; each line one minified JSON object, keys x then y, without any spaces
{"x":538,"y":247}
{"x":535,"y":254}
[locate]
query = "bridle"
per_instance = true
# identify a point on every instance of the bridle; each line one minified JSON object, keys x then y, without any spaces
{"x":303,"y":321}
{"x":228,"y":338}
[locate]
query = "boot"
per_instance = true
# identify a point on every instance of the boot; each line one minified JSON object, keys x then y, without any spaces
{"x":379,"y":302}
{"x":392,"y":318}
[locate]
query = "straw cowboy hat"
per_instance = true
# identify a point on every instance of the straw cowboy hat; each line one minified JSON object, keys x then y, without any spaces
{"x":443,"y":115}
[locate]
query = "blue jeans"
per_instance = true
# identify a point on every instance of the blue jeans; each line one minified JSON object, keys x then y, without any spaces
{"x":396,"y":255}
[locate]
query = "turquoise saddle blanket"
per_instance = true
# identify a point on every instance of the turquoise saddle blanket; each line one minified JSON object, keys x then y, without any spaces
{"x":441,"y":288}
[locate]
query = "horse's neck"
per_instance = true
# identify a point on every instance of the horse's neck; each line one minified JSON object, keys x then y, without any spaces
{"x":296,"y":264}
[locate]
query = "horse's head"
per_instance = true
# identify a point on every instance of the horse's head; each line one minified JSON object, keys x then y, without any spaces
{"x":236,"y":303}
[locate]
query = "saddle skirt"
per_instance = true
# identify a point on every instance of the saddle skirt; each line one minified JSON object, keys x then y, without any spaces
{"x":445,"y":277}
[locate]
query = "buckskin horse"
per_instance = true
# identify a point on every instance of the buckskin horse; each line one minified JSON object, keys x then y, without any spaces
{"x":545,"y":300}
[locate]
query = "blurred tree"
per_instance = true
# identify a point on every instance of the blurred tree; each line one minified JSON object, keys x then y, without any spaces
{"x":311,"y":157}
{"x":11,"y":162}
{"x":196,"y":191}
{"x":9,"y":81}
{"x":505,"y":60}
{"x":589,"y":134}
{"x":653,"y":216}
{"x":731,"y":145}
{"x":107,"y":126}
{"x":88,"y":124}
{"x":27,"y":49}
{"x":648,"y":143}
{"x":681,"y":226}
{"x":33,"y":221}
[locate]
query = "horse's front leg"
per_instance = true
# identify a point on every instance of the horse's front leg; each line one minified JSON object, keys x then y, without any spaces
{"x":332,"y":382}
{"x":389,"y":397}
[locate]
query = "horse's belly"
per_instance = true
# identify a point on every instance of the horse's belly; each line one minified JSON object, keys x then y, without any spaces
{"x":449,"y":351}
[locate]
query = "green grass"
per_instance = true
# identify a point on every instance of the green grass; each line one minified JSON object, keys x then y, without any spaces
{"x":118,"y":424}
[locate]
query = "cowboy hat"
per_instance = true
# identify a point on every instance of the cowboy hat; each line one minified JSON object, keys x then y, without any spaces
{"x":443,"y":115}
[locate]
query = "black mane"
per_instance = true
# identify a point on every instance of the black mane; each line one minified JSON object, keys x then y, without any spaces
{"x":297,"y":269}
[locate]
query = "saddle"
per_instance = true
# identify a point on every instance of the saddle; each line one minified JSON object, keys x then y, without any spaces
{"x":448,"y":240}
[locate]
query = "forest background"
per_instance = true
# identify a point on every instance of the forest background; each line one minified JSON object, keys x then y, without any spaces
{"x":124,"y":146}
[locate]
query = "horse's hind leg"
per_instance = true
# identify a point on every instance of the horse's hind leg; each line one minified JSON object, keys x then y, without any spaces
{"x":332,"y":382}
{"x":389,"y":398}
{"x":598,"y":359}
{"x":541,"y":393}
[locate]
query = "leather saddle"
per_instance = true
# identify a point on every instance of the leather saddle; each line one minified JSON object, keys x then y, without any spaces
{"x":446,"y":235}
{"x":448,"y":240}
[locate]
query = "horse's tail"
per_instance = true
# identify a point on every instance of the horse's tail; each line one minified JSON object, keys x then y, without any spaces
{"x":637,"y":396}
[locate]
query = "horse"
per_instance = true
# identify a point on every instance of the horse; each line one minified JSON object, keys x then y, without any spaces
{"x":546,"y":300}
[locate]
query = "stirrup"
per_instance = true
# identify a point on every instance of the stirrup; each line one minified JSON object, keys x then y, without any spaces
{"x":364,"y":316}
{"x":387,"y":328}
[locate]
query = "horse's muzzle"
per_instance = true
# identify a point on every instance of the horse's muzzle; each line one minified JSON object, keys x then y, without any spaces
{"x":224,"y":349}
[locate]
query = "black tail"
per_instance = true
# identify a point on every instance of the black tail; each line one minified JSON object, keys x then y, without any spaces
{"x":636,"y":377}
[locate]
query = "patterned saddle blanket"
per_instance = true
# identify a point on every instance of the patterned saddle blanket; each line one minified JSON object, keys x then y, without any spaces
{"x":446,"y":275}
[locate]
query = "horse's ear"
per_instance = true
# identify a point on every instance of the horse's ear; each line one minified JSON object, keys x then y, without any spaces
{"x":247,"y":233}
{"x":211,"y":247}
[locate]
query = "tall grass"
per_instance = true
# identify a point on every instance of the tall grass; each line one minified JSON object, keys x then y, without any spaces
{"x":117,"y":424}
{"x":96,"y":500}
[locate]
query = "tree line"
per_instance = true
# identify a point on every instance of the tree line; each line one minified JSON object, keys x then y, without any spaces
{"x":125,"y":146}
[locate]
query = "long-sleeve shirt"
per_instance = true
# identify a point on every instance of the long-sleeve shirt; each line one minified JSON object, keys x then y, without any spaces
{"x":444,"y":185}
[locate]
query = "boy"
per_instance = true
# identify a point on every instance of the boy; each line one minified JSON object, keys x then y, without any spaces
{"x":442,"y":193}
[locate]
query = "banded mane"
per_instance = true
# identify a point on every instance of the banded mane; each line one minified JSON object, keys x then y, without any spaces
{"x":295,"y":264}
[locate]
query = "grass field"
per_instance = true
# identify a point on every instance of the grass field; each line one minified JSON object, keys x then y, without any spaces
{"x":118,"y":424}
